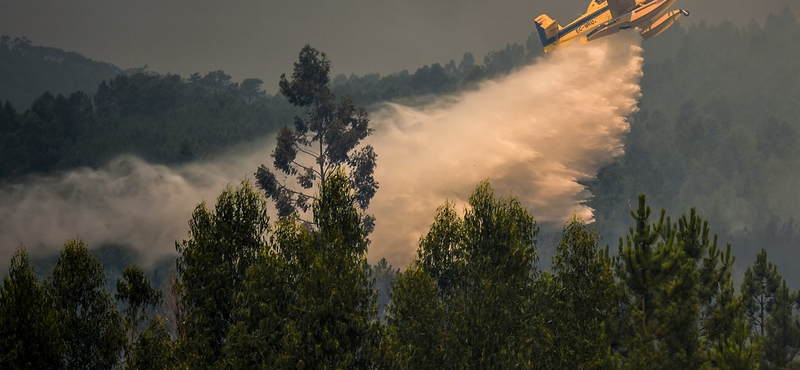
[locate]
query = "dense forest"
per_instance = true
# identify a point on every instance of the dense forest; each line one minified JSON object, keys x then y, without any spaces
{"x":163,"y":119}
{"x":249,"y":293}
{"x":168,"y":119}
{"x":717,"y":130}
{"x":28,"y":70}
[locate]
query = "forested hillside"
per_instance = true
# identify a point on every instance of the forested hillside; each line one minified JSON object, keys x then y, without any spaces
{"x":251,"y":292}
{"x":168,"y":119}
{"x":718,"y":125}
{"x":28,"y":70}
{"x":163,"y":119}
{"x":718,"y":129}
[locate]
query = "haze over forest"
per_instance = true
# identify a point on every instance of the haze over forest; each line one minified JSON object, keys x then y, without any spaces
{"x":260,"y":38}
{"x":363,"y":89}
{"x":510,"y":228}
{"x":186,"y":145}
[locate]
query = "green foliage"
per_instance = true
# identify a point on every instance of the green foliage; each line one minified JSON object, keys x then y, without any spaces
{"x":738,"y":351}
{"x":782,"y":339}
{"x":30,"y":331}
{"x":153,"y":350}
{"x":258,"y":332}
{"x":580,"y":302}
{"x":761,"y":282}
{"x":307,"y":301}
{"x":91,"y":328}
{"x":717,"y":130}
{"x":327,"y":136}
{"x":27,"y":70}
{"x":415,"y":323}
{"x":212,"y":265}
{"x":678,"y":303}
{"x":336,"y":324}
{"x":163,"y":119}
{"x":483,"y":268}
{"x":134,"y":289}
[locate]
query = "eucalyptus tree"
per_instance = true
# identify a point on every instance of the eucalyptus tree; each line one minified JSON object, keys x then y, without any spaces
{"x":29,"y":325}
{"x":580,"y":304}
{"x":91,"y":327}
{"x":134,"y":290}
{"x":326,"y":138}
{"x":483,"y":267}
{"x":223,"y":244}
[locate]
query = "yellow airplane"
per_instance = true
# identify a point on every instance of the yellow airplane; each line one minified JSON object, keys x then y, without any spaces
{"x":607,"y":17}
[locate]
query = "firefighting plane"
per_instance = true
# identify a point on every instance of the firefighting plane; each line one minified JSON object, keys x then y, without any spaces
{"x":607,"y":17}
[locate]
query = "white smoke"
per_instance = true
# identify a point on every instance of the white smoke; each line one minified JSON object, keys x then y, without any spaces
{"x":534,"y":133}
{"x":128,"y":202}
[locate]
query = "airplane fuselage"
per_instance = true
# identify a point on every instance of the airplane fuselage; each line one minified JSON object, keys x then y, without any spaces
{"x":599,"y":21}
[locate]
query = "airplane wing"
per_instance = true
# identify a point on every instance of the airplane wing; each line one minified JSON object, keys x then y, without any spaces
{"x":620,"y":7}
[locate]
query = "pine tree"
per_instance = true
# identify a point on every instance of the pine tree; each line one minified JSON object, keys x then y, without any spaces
{"x":646,"y":263}
{"x":782,"y":327}
{"x":760,"y":284}
{"x":678,"y":302}
{"x":738,"y":350}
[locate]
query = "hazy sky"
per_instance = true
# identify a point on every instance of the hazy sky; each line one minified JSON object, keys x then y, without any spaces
{"x":261,"y":38}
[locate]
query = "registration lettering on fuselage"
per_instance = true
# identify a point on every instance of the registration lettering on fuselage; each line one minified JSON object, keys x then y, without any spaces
{"x":582,"y":27}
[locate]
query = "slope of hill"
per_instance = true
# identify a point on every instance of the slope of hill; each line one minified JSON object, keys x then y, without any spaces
{"x":28,"y":70}
{"x":718,"y":130}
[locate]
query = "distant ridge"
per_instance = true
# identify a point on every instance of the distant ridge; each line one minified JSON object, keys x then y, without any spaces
{"x":28,"y":70}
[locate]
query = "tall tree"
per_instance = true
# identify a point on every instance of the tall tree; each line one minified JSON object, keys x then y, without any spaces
{"x":383,"y":276}
{"x":307,"y":301}
{"x":483,"y":265}
{"x":29,"y":327}
{"x":257,"y":336}
{"x":212,"y":264}
{"x":760,"y":284}
{"x":738,"y":351}
{"x":153,"y":349}
{"x":660,"y":267}
{"x":335,"y":323}
{"x":134,"y":290}
{"x":581,"y":304}
{"x":782,"y":340}
{"x":326,"y":138}
{"x":415,"y":323}
{"x":91,"y":328}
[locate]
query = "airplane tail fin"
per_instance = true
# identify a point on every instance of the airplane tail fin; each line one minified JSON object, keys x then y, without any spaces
{"x":548,"y":30}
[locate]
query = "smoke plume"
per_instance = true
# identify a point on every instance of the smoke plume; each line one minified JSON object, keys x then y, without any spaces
{"x":535,"y":134}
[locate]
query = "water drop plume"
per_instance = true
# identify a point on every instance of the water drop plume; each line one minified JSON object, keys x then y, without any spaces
{"x":534,"y":133}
